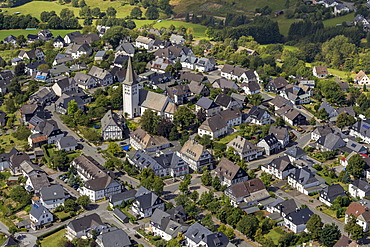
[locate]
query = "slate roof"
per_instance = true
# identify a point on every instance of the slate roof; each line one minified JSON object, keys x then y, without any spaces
{"x":213,"y":124}
{"x":295,"y":152}
{"x":37,"y":210}
{"x":197,"y":233}
{"x":270,"y":139}
{"x":256,"y":113}
{"x":223,"y":100}
{"x":99,"y":183}
{"x":113,"y":237}
{"x":281,"y":163}
{"x":67,"y":141}
{"x":361,"y":185}
{"x":279,"y":82}
{"x":279,"y":132}
{"x":130,"y":78}
{"x":331,"y":141}
{"x":110,"y":119}
{"x":39,"y":180}
{"x":331,"y":192}
{"x":148,"y":200}
{"x":229,"y":169}
{"x":88,"y":221}
{"x":189,"y":76}
{"x":287,"y":206}
{"x":241,"y":145}
{"x":323,"y":130}
{"x":118,"y":213}
{"x":304,"y":176}
{"x":300,"y":217}
{"x":99,"y":73}
{"x":193,"y":149}
{"x":129,"y":194}
{"x":52,"y":192}
{"x":245,"y":188}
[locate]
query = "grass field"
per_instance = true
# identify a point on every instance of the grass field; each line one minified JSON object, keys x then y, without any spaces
{"x":34,"y":8}
{"x":53,"y":240}
{"x":275,"y":234}
{"x":17,"y":32}
{"x":339,"y":20}
{"x":284,"y":24}
{"x":199,"y":30}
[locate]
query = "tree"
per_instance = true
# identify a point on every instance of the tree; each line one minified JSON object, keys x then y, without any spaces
{"x":136,"y":13}
{"x":344,"y":120}
{"x":206,"y":178}
{"x":208,"y":221}
{"x":66,"y":14}
{"x":82,"y":3}
{"x":280,"y":122}
{"x":111,"y":12}
{"x":20,"y":195}
{"x":357,"y":232}
{"x":96,"y":12}
{"x":113,"y":148}
{"x":255,"y":99}
{"x":322,"y":114}
{"x":330,"y":234}
{"x":248,"y":225}
{"x":152,"y":13}
{"x":69,"y":205}
{"x":72,"y":107}
{"x":114,"y":35}
{"x":355,"y":166}
{"x":19,"y":69}
{"x":149,"y":121}
{"x":84,"y":201}
{"x":352,"y":228}
{"x":216,"y":183}
{"x":337,"y":50}
{"x":314,"y":226}
{"x":184,"y":117}
{"x":22,"y":133}
{"x":21,"y":40}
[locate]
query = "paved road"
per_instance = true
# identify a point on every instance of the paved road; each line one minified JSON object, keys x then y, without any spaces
{"x":87,"y":148}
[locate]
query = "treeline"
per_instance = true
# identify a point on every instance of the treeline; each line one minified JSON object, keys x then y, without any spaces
{"x":111,"y":22}
{"x":65,"y":20}
{"x":18,"y":21}
{"x":231,"y":20}
{"x":262,"y":29}
{"x":315,"y":32}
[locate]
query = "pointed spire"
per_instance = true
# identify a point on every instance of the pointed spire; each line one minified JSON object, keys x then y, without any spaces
{"x":130,"y":74}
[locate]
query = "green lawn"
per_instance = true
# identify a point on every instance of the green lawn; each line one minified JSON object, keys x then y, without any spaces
{"x":228,"y":138}
{"x":17,"y":32}
{"x":284,"y":24}
{"x":34,"y":8}
{"x":339,"y":20}
{"x":341,"y":74}
{"x":5,"y":141}
{"x":53,"y":240}
{"x":275,"y":234}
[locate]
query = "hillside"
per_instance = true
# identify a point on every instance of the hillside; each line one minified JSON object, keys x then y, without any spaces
{"x":222,"y":7}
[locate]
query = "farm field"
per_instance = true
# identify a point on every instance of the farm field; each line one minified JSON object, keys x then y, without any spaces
{"x":17,"y":32}
{"x":339,"y":20}
{"x":34,"y":8}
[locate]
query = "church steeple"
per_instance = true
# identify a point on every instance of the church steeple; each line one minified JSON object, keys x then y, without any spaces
{"x":130,"y":74}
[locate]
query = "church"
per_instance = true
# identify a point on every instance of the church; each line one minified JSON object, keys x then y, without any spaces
{"x":136,"y":99}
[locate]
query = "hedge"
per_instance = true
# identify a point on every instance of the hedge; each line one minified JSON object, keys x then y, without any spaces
{"x":47,"y":234}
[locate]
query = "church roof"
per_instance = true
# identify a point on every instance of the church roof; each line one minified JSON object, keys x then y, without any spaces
{"x":130,"y":75}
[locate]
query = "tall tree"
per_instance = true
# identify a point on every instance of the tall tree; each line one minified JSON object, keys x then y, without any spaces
{"x":314,"y":226}
{"x":184,"y":117}
{"x":136,"y":13}
{"x":355,"y":166}
{"x":149,"y":121}
{"x":330,"y":234}
{"x":152,"y":13}
{"x":111,"y":12}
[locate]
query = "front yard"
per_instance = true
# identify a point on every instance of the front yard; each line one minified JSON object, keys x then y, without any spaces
{"x":54,"y":239}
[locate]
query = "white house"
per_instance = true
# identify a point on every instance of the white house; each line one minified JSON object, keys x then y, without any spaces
{"x":359,"y":189}
{"x":279,"y":167}
{"x":361,"y":78}
{"x":40,"y":216}
{"x":296,"y":221}
{"x":52,"y":196}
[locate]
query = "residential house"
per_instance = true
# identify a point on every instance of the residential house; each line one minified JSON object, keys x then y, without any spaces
{"x":361,"y":129}
{"x":46,"y":132}
{"x":163,"y":165}
{"x":112,"y":126}
{"x":259,"y":116}
{"x":100,"y":187}
{"x":67,"y":143}
{"x":321,"y":131}
{"x":70,"y":37}
{"x":208,"y":106}
{"x":344,"y":241}
{"x":101,"y":76}
{"x":15,"y":160}
{"x":113,"y":237}
{"x":35,"y":54}
{"x":277,"y":85}
{"x":197,"y":63}
{"x":361,"y":78}
{"x":251,"y":88}
{"x":320,"y":71}
{"x":125,"y":49}
{"x":119,"y":198}
{"x":340,"y":9}
{"x":145,"y":204}
{"x":249,"y":192}
{"x":296,"y":153}
{"x":58,"y":42}
{"x":43,"y":96}
{"x":144,"y":43}
{"x":160,"y":65}
{"x":296,"y":95}
{"x":40,"y":216}
{"x":85,"y":81}
{"x":330,"y":142}
{"x":161,"y":44}
{"x":232,"y":117}
{"x":291,"y":115}
{"x":190,"y":76}
{"x":83,"y":227}
{"x":119,"y":61}
{"x":166,"y":226}
{"x":100,"y":56}
{"x":354,"y":146}
{"x":76,"y":51}
{"x":214,"y":127}
{"x":330,"y":193}
{"x":283,"y":207}
{"x":196,"y":155}
{"x":45,"y":35}
{"x":279,"y":167}
{"x":226,"y":101}
{"x":224,"y":84}
{"x":305,"y":181}
{"x":279,"y":102}
{"x":245,"y":149}
{"x":10,"y":40}
{"x":61,"y":105}
{"x":86,"y":39}
{"x":52,"y":196}
{"x":5,"y":159}
{"x":198,"y":235}
{"x":359,"y":188}
{"x":361,"y":211}
{"x":36,"y":181}
{"x":296,"y":221}
{"x":179,"y":93}
{"x":28,"y":169}
{"x":87,"y":168}
{"x":64,"y":85}
{"x":270,"y":144}
{"x":229,"y":173}
{"x":239,"y":74}
{"x":177,"y":39}
{"x":140,"y":139}
{"x":281,"y":134}
{"x":33,"y":67}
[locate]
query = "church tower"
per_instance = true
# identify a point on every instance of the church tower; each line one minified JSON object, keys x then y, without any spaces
{"x":130,"y":93}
